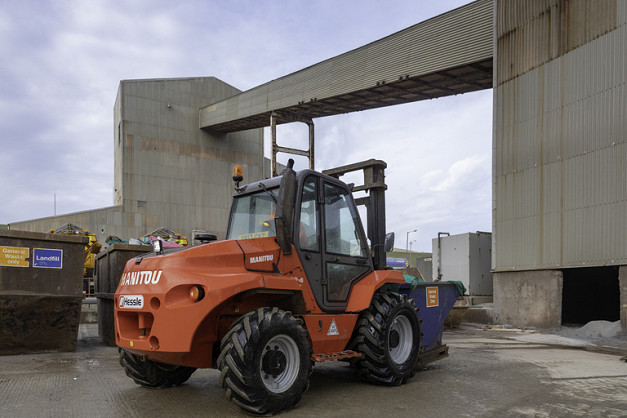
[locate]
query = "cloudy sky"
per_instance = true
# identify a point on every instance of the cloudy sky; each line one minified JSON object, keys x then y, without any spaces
{"x":62,"y":62}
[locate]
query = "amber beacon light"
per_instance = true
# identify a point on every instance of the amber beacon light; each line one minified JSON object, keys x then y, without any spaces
{"x":238,"y":174}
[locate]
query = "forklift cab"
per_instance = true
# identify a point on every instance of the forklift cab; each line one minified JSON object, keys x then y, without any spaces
{"x":316,"y":214}
{"x":329,"y":239}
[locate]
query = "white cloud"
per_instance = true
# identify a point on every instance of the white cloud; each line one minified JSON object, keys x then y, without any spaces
{"x":459,"y":175}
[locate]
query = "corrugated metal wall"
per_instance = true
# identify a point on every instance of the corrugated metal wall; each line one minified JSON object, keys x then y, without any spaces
{"x":560,"y":185}
{"x":532,"y":32}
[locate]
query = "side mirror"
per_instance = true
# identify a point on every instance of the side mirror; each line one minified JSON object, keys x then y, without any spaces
{"x":285,"y":210}
{"x":388,"y":244}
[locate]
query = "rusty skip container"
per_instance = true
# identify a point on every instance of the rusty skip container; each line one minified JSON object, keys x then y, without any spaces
{"x":41,"y":282}
{"x":109,"y":267}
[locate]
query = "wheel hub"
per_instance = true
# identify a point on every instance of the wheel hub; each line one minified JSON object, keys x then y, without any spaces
{"x":394,"y":338}
{"x":400,"y":339}
{"x":274,"y":361}
{"x":280,"y":363}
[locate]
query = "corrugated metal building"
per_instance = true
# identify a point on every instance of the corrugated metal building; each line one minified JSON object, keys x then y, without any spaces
{"x":559,"y":159}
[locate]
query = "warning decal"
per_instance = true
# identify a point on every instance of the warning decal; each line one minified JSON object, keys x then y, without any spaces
{"x":432,"y":297}
{"x":333,"y":329}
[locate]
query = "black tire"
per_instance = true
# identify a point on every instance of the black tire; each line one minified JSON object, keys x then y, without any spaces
{"x":152,"y":374}
{"x":265,"y":361}
{"x":388,"y":336}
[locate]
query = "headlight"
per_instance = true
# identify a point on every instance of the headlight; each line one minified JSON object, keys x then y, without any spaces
{"x":196,"y":293}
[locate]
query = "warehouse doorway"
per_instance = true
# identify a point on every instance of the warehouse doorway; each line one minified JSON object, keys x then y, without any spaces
{"x":590,"y":294}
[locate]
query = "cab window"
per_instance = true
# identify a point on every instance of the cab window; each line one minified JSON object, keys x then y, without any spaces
{"x":341,"y":223}
{"x":309,"y":230}
{"x":253,"y":215}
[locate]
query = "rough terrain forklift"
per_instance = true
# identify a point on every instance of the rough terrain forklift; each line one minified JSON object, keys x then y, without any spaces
{"x":295,"y":282}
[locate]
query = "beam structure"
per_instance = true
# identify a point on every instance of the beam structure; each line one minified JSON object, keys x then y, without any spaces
{"x":446,"y":55}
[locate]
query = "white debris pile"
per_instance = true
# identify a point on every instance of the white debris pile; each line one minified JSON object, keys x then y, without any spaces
{"x":596,"y":329}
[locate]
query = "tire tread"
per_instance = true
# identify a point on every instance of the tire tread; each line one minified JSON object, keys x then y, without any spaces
{"x":240,"y":355}
{"x":153,"y":374}
{"x":370,"y":339}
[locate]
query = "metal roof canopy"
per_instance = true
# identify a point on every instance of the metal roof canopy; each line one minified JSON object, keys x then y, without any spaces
{"x":445,"y":55}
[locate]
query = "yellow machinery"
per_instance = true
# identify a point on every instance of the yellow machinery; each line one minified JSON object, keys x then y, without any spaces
{"x":91,"y":249}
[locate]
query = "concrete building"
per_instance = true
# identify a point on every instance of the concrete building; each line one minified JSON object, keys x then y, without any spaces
{"x":168,"y":172}
{"x":558,"y":69}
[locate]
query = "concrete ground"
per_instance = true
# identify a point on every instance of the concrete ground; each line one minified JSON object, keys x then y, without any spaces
{"x":490,"y":372}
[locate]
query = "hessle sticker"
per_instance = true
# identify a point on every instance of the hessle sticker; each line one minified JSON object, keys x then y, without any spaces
{"x":131,"y":302}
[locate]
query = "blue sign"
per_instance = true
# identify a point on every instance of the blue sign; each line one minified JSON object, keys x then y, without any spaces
{"x":397,"y":262}
{"x":47,"y":258}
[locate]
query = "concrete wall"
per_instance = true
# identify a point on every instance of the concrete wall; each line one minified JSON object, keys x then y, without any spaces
{"x":622,"y":283}
{"x":167,"y":171}
{"x":528,"y":298}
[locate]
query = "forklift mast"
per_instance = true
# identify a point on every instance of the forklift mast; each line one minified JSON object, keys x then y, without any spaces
{"x":374,"y":184}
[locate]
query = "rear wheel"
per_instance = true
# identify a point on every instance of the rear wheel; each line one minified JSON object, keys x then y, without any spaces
{"x":265,"y":361}
{"x":388,"y":336}
{"x":153,"y":374}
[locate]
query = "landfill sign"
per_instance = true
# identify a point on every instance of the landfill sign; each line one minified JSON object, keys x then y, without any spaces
{"x":14,"y":256}
{"x":48,"y":258}
{"x":432,"y":297}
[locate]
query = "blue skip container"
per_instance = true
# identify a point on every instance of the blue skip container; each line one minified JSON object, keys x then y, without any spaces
{"x":434,"y":302}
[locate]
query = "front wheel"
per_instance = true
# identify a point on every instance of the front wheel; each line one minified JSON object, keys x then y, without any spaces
{"x":153,"y":374}
{"x":388,"y":336}
{"x":265,"y":361}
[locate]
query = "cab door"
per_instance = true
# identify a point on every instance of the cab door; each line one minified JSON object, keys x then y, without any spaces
{"x":331,"y":241}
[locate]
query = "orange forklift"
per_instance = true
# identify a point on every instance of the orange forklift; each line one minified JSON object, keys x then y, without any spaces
{"x":295,"y":282}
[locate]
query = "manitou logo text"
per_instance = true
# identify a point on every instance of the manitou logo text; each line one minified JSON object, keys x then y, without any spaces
{"x":131,"y":302}
{"x":132,"y":278}
{"x":261,"y":258}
